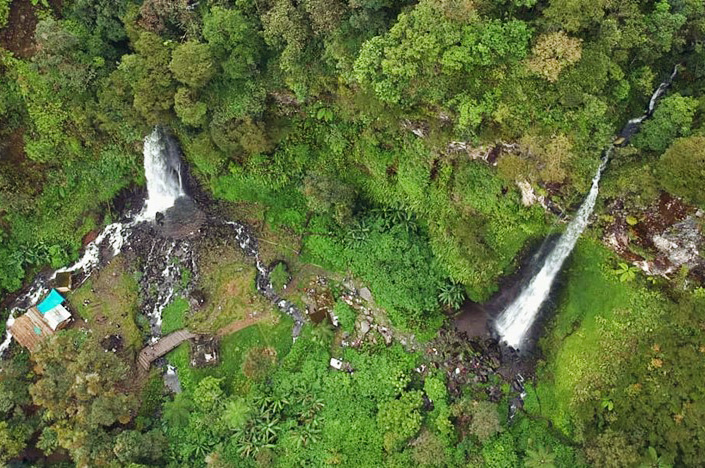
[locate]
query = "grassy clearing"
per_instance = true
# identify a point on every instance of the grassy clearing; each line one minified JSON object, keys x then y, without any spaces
{"x":233,"y":349}
{"x":109,"y":302}
{"x":598,"y":322}
{"x":174,"y":315}
{"x":228,"y":281}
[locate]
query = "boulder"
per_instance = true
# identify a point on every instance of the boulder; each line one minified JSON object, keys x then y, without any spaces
{"x":364,"y":327}
{"x":366,"y":294}
{"x":182,"y":220}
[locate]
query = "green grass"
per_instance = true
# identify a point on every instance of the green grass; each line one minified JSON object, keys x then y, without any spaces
{"x":228,"y":281}
{"x":233,"y":349}
{"x":109,"y":302}
{"x":173,"y":315}
{"x":588,"y":313}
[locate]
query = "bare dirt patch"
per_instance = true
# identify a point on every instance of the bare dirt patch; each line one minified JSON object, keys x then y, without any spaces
{"x":18,"y":35}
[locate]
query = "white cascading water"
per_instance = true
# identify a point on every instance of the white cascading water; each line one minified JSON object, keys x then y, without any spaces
{"x":516,"y":320}
{"x":164,"y":186}
{"x":164,"y":183}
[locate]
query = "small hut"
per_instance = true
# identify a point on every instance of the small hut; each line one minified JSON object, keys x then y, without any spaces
{"x":41,"y":321}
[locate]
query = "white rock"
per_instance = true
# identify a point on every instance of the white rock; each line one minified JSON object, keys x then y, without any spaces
{"x":366,"y":294}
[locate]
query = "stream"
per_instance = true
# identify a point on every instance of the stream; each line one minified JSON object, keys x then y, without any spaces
{"x":160,"y":239}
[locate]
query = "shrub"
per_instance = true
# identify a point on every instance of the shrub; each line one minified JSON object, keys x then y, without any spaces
{"x":279,"y":276}
{"x":346,"y":316}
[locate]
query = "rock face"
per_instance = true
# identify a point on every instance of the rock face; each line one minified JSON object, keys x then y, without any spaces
{"x":680,"y":244}
{"x":669,"y":231}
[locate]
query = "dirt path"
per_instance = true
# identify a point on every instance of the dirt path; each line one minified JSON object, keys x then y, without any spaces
{"x":239,"y":325}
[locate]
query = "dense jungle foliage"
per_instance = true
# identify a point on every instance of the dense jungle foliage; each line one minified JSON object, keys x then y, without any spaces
{"x":389,"y":137}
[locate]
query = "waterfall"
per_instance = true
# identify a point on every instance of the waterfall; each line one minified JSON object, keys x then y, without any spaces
{"x":162,"y":170}
{"x":515,"y":321}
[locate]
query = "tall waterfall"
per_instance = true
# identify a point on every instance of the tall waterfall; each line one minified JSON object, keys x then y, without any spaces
{"x":516,"y":320}
{"x":163,"y":173}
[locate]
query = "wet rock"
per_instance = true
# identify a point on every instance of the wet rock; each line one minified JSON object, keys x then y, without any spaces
{"x":171,"y":380}
{"x":182,"y":220}
{"x":680,"y":244}
{"x":89,"y":237}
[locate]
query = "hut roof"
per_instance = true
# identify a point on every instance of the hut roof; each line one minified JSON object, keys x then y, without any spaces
{"x":57,"y":316}
{"x":30,"y":329}
{"x":51,"y":301}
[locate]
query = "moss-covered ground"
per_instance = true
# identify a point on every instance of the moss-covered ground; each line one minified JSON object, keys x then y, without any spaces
{"x":595,"y":328}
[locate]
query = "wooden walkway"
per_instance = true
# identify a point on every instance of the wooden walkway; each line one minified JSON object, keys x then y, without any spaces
{"x":156,"y":350}
{"x":163,"y":346}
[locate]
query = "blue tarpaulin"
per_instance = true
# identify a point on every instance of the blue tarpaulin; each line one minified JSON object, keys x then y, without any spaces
{"x":51,"y":301}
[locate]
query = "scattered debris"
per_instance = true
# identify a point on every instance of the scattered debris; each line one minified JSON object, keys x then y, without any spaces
{"x":336,"y":364}
{"x":204,"y":351}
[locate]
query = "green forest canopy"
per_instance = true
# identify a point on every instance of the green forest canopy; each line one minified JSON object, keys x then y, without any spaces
{"x":305,"y":109}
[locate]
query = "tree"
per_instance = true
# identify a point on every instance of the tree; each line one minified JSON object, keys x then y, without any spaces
{"x":327,"y":195}
{"x":192,"y":64}
{"x":326,"y":15}
{"x":552,"y":53}
{"x":79,"y":386}
{"x":209,"y":396}
{"x":612,"y":450}
{"x":485,"y":420}
{"x":574,"y":15}
{"x":233,"y":41}
{"x":236,"y":413}
{"x":672,"y":118}
{"x":429,"y":450}
{"x":176,"y":412}
{"x":400,"y":419}
{"x":682,"y":169}
{"x":191,"y":111}
{"x":323,"y":333}
{"x":135,"y":447}
{"x":428,"y":55}
{"x":540,"y":457}
{"x":151,"y":80}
